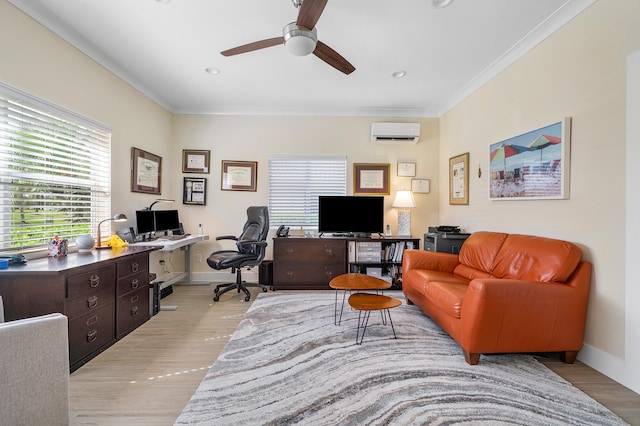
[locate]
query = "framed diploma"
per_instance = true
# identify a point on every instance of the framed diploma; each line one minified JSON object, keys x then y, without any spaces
{"x":239,"y":175}
{"x":146,"y":172}
{"x":371,"y":179}
{"x":195,"y":161}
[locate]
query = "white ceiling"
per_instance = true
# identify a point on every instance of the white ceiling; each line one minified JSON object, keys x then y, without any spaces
{"x":164,"y":49}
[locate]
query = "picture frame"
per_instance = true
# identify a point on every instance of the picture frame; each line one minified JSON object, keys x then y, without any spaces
{"x":371,"y":178}
{"x":533,"y":165}
{"x":195,"y":161}
{"x":459,"y":179}
{"x":420,"y":186}
{"x":406,"y":169}
{"x":239,"y":175}
{"x":146,"y":172}
{"x":194,"y":191}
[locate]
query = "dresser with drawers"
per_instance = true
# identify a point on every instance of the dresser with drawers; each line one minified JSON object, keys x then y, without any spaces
{"x":103,"y":293}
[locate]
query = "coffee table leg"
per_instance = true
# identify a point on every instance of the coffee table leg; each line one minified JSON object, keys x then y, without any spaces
{"x":392,"y":327}
{"x":364,"y":319}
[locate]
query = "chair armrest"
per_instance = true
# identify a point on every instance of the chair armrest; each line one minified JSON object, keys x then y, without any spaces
{"x":506,"y":310}
{"x":252,"y":243}
{"x":227,"y":237}
{"x":433,"y":261}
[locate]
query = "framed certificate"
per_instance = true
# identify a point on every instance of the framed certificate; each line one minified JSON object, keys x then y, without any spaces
{"x":406,"y":169}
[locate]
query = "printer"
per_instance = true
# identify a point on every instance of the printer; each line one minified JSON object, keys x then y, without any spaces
{"x":445,"y":239}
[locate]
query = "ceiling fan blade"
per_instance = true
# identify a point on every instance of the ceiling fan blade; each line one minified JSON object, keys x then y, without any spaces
{"x":333,"y":58}
{"x":256,"y":45}
{"x":310,"y":12}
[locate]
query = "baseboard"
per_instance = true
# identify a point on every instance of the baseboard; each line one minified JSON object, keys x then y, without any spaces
{"x":607,"y":364}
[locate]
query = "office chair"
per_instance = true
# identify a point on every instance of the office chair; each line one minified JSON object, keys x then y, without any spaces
{"x":251,"y":250}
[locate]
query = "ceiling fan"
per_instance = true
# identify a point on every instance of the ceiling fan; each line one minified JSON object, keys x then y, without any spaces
{"x":301,"y":38}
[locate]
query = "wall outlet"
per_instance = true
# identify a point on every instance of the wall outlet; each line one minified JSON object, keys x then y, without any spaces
{"x":199,"y":258}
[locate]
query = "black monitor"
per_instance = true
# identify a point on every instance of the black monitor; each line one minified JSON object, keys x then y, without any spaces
{"x":166,"y":220}
{"x":351,"y":214}
{"x":145,"y":221}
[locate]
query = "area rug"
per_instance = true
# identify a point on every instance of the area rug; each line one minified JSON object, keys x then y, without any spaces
{"x":287,"y":363}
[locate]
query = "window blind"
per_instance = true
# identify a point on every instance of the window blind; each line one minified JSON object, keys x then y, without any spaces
{"x":295,"y":184}
{"x":55,"y":172}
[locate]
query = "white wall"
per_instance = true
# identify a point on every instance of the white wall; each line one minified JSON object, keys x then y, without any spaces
{"x":580,"y":71}
{"x":255,"y":138}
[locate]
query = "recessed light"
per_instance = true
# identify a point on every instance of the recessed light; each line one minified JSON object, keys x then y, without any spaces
{"x":163,"y":1}
{"x":399,"y":74}
{"x":212,"y":70}
{"x":440,"y":4}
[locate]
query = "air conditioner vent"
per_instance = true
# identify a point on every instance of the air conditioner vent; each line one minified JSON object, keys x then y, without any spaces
{"x":395,"y":133}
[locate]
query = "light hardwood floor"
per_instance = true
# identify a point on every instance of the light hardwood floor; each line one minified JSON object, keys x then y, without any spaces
{"x":148,"y":377}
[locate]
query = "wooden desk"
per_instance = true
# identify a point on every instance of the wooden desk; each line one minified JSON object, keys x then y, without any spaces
{"x":104,"y":294}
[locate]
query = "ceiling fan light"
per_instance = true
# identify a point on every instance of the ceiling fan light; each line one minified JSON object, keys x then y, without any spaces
{"x":299,"y":41}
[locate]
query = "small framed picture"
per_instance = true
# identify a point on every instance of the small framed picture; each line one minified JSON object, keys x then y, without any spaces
{"x":406,"y":169}
{"x":420,"y":186}
{"x":195,"y":161}
{"x":195,"y":191}
{"x":239,"y":175}
{"x":459,"y":179}
{"x":146,"y":172}
{"x":371,"y":179}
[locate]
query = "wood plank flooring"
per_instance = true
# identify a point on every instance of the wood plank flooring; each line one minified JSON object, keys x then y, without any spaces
{"x":148,"y":377}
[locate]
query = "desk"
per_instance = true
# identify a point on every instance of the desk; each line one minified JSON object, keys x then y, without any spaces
{"x":183,"y":244}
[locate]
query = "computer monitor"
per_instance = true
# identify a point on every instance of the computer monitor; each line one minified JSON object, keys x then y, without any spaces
{"x":166,"y":220}
{"x":145,"y":221}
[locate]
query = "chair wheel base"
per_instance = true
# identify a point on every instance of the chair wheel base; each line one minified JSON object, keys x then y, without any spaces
{"x":216,"y":298}
{"x":247,"y":298}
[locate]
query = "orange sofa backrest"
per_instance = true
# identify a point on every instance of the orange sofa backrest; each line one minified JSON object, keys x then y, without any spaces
{"x":527,"y":257}
{"x":478,"y":253}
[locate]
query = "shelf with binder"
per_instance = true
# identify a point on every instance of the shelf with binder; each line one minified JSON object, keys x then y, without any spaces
{"x":381,"y":258}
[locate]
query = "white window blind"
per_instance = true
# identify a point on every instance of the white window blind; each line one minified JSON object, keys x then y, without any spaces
{"x":55,"y":172}
{"x":295,"y":184}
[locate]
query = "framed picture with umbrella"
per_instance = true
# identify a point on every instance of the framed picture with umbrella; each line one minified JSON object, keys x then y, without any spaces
{"x":533,"y":165}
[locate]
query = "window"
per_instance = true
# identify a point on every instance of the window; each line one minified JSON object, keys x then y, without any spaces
{"x":295,"y":184}
{"x":55,"y":172}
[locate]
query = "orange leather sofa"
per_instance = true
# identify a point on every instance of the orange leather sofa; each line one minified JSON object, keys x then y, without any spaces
{"x":503,"y":293}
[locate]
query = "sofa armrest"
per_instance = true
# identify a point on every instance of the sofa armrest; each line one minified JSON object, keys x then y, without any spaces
{"x":434,"y":261}
{"x":525,"y":314}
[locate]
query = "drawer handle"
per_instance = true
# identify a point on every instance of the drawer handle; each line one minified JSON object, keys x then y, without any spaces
{"x":135,"y":298}
{"x":135,"y":283}
{"x":290,"y":251}
{"x":134,"y":311}
{"x":94,"y":281}
{"x":328,"y":252}
{"x":92,"y":335}
{"x":135,"y":267}
{"x":328,"y":273}
{"x":92,"y":320}
{"x":289,"y":274}
{"x":92,"y":302}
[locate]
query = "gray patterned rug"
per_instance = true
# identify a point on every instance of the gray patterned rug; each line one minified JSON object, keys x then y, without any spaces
{"x":287,"y":363}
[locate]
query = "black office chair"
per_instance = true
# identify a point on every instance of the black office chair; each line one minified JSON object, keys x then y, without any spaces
{"x":251,"y":245}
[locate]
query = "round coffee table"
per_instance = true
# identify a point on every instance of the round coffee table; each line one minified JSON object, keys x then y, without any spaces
{"x":365,"y":303}
{"x":354,"y":282}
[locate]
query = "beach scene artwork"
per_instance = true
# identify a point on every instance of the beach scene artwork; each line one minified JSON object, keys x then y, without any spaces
{"x":533,"y":165}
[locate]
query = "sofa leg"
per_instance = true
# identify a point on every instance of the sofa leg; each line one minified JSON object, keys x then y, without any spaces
{"x":409,"y":302}
{"x":472,"y":359}
{"x":568,"y":357}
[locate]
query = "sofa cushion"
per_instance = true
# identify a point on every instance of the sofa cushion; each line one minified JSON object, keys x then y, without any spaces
{"x":479,"y":252}
{"x":531,"y":258}
{"x":447,"y":296}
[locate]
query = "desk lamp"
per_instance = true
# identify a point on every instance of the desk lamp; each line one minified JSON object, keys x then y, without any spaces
{"x":159,"y":200}
{"x":404,"y":201}
{"x":120,"y":217}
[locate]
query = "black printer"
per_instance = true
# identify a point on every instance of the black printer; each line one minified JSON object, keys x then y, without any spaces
{"x":445,"y":239}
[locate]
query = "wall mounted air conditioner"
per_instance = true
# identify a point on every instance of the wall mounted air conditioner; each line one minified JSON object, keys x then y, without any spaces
{"x":395,"y":133}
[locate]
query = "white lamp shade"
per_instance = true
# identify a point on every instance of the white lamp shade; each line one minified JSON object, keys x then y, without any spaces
{"x":404,"y":200}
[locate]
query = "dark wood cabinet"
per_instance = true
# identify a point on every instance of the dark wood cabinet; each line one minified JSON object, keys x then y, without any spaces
{"x":301,"y":263}
{"x":307,"y":263}
{"x":103,"y":293}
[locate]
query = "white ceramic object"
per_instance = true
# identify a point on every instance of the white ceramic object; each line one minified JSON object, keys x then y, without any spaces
{"x":85,"y":242}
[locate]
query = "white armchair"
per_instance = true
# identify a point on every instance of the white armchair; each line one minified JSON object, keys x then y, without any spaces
{"x":34,"y":367}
